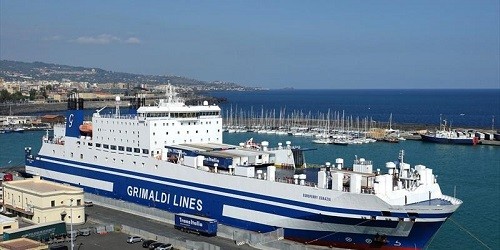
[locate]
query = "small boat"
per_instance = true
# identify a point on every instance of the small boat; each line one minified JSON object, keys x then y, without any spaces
{"x":391,"y":139}
{"x":18,"y":130}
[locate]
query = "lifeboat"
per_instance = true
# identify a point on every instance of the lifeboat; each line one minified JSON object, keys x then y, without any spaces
{"x":86,"y":128}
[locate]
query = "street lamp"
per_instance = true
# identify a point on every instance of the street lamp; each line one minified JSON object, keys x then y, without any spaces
{"x":71,"y":214}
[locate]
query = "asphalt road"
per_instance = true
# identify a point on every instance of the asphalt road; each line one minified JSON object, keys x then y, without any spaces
{"x":105,"y":215}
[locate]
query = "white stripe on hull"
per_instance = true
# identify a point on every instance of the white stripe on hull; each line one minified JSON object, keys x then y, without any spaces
{"x":74,"y":179}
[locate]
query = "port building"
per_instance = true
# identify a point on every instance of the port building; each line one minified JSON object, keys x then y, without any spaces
{"x":41,"y":201}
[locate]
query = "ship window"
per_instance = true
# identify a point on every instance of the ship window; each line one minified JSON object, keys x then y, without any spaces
{"x":53,"y":151}
{"x":72,"y":154}
{"x":386,"y":213}
{"x":81,"y":156}
{"x":106,"y":146}
{"x":154,"y":133}
{"x":95,"y":157}
{"x":121,"y":160}
{"x":121,"y":148}
{"x":143,"y":164}
{"x":90,"y":143}
{"x":137,"y":150}
{"x":187,"y":132}
{"x":145,"y":151}
{"x":178,"y":132}
{"x":129,"y":149}
{"x":156,"y":166}
{"x":98,"y":145}
{"x":166,"y":133}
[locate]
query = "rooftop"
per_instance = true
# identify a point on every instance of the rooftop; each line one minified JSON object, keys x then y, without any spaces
{"x":41,"y":186}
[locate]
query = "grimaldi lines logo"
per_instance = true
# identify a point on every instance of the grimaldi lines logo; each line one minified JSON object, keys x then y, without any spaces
{"x":166,"y":198}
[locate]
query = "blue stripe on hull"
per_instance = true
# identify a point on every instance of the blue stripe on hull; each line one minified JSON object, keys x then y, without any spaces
{"x":181,"y":200}
{"x":418,"y":238}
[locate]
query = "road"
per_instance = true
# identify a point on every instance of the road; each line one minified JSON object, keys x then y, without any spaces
{"x":105,"y":215}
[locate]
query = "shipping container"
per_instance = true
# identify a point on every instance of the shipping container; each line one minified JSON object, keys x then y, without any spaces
{"x":196,"y":224}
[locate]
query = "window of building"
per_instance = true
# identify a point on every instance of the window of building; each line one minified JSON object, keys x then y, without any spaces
{"x":52,"y":203}
{"x":78,"y":202}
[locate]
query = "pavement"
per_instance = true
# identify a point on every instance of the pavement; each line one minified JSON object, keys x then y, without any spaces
{"x":98,"y":215}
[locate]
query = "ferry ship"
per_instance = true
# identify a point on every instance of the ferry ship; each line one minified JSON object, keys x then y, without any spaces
{"x":171,"y":156}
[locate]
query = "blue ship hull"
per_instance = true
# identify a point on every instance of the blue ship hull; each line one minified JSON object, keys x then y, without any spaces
{"x":180,"y":196}
{"x":443,"y":140}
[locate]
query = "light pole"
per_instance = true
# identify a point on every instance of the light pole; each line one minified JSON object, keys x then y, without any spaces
{"x":71,"y":214}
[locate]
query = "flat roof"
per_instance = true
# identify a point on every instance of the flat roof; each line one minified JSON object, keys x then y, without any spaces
{"x":41,"y":186}
{"x":21,"y":243}
{"x":210,"y":146}
{"x":4,"y":218}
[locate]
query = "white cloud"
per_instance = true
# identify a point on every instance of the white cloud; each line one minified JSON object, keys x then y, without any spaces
{"x":132,"y":40}
{"x":100,"y":39}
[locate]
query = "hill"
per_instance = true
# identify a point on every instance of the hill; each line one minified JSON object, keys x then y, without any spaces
{"x":40,"y":71}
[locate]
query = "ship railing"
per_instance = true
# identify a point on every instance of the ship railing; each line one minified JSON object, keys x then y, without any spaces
{"x":452,"y":200}
{"x":128,"y":116}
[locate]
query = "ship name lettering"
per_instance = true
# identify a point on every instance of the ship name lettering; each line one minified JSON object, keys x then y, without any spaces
{"x":319,"y":197}
{"x":188,"y":202}
{"x":162,"y":197}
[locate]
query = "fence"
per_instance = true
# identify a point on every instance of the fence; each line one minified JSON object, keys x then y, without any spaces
{"x":269,"y":240}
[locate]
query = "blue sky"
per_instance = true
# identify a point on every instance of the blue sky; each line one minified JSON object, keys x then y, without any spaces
{"x":272,"y":44}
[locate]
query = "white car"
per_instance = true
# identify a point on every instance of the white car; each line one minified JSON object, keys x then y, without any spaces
{"x":134,"y":239}
{"x":167,"y":246}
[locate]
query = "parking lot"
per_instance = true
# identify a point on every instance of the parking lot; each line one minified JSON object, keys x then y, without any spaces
{"x":112,"y":241}
{"x":99,"y":216}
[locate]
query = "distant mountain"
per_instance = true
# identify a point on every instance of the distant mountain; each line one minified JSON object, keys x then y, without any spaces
{"x":19,"y":71}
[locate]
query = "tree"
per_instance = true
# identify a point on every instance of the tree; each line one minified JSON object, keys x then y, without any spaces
{"x":4,"y":95}
{"x":32,"y":94}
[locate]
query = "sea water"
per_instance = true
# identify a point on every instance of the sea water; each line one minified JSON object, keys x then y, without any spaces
{"x":471,"y":173}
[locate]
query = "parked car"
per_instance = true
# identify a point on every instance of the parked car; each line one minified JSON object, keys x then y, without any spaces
{"x":167,"y":246}
{"x":84,"y":232}
{"x":146,"y":243}
{"x":155,"y":245}
{"x":134,"y":239}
